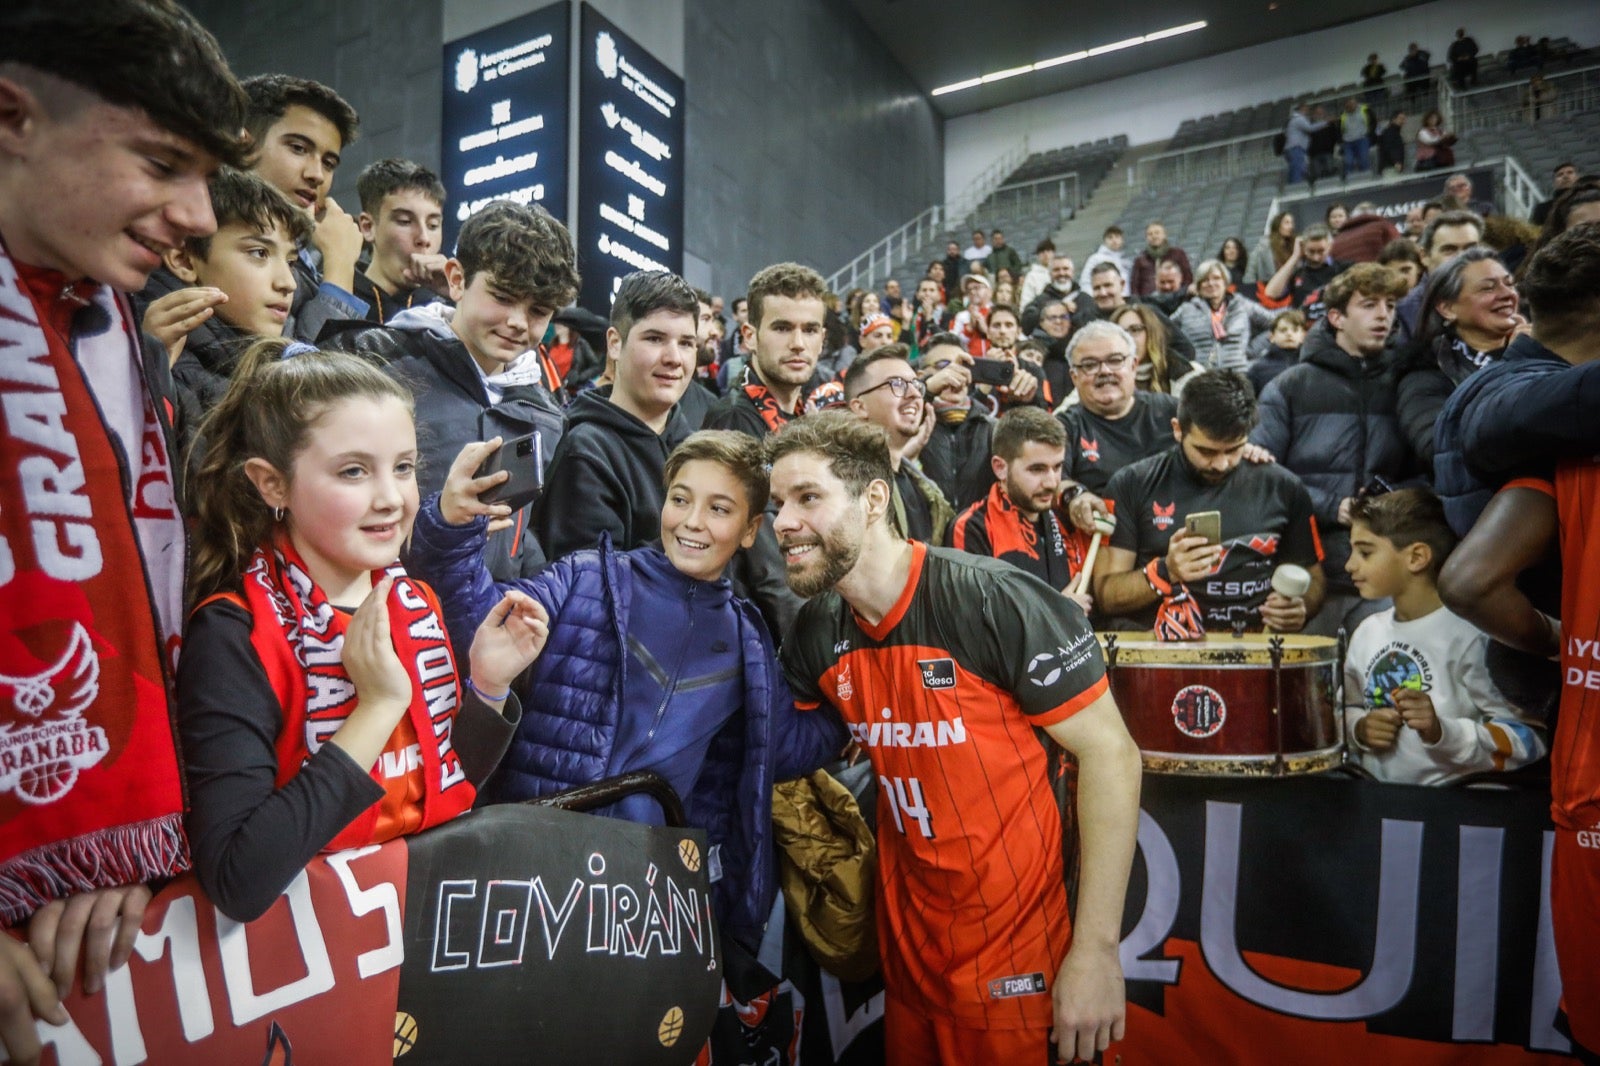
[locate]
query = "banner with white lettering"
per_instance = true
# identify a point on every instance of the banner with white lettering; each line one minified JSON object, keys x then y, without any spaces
{"x":1393,"y":199}
{"x":630,"y":161}
{"x":1318,"y":920}
{"x":511,"y":934}
{"x":504,"y":116}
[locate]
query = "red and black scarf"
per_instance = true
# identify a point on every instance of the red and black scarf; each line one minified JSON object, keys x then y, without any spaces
{"x":90,"y":792}
{"x":766,"y":404}
{"x":299,"y":637}
{"x":1178,"y":616}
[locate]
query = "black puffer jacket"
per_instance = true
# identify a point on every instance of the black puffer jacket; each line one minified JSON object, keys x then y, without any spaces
{"x":453,"y":409}
{"x":1332,"y":420}
{"x":1429,"y":371}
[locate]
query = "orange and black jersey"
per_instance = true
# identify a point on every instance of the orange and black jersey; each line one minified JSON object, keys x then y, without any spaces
{"x":948,"y":696}
{"x":1266,"y":521}
{"x":994,"y":527}
{"x":1098,"y":447}
{"x":1575,"y":748}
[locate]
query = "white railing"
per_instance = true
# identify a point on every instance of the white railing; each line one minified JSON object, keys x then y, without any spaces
{"x":1517,"y":189}
{"x":1521,"y":191}
{"x":1501,"y":105}
{"x":878,"y":262}
{"x":1060,"y":193}
{"x":1249,"y":153}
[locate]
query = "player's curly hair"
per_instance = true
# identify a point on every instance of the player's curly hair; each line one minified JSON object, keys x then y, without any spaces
{"x":856,"y":450}
{"x":783,"y":279}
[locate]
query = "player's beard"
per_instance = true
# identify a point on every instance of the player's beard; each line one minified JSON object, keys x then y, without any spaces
{"x":836,"y":555}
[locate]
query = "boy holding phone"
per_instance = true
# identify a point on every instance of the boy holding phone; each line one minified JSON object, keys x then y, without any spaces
{"x":476,"y":368}
{"x":701,"y":699}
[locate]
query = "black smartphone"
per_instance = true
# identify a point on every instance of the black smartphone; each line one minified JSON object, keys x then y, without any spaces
{"x":524,"y":458}
{"x":992,"y":372}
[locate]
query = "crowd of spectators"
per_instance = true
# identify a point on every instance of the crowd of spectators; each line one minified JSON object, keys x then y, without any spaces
{"x":701,"y":496}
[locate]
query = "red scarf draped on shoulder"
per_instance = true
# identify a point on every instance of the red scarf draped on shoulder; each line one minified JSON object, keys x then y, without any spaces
{"x":299,"y":637}
{"x":90,"y":793}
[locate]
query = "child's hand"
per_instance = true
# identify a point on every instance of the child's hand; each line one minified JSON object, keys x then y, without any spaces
{"x":1416,"y":710}
{"x":172,"y":318}
{"x":458,"y":500}
{"x":508,"y":641}
{"x":369,"y":656}
{"x":1378,"y":730}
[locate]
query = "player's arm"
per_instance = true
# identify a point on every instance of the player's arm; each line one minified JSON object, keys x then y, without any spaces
{"x":1090,"y":999}
{"x":1479,"y":580}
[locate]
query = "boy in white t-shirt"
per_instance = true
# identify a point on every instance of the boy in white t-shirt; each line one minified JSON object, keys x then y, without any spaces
{"x":1419,"y":704}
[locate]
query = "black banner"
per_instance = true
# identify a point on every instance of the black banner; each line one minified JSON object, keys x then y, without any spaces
{"x":1317,"y":920}
{"x":512,"y":934}
{"x":1394,"y":200}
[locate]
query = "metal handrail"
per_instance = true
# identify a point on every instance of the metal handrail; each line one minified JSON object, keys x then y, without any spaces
{"x":1522,"y":192}
{"x":1229,"y":158}
{"x":1466,"y":111}
{"x":891,"y":251}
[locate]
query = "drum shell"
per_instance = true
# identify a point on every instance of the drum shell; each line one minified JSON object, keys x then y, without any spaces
{"x":1213,"y":715}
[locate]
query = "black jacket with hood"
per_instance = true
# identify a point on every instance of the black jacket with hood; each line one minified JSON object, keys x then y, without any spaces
{"x":605,"y":477}
{"x":453,"y":409}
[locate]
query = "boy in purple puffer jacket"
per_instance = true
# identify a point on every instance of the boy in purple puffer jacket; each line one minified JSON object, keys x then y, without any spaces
{"x":653,"y":663}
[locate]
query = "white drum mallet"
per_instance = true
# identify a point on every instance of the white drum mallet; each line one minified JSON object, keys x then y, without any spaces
{"x":1104,"y":526}
{"x":1291,"y":582}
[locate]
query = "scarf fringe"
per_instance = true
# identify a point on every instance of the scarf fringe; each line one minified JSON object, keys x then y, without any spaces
{"x":121,"y":855}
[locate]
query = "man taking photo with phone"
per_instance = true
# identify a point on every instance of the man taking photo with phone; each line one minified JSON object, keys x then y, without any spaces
{"x":1156,"y":573}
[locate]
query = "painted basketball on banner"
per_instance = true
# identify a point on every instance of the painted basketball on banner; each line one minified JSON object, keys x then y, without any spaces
{"x":513,"y":933}
{"x":1199,"y":711}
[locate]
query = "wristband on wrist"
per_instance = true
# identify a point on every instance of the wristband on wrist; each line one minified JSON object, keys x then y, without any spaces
{"x":487,"y":697}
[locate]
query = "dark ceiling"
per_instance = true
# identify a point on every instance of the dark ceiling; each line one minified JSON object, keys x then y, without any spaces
{"x":945,"y":41}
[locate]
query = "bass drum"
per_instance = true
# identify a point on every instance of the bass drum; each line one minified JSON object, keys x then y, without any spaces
{"x":1256,"y":705}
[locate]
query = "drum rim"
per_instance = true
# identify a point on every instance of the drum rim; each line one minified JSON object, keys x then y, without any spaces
{"x":1140,"y":648}
{"x":1295,"y":764}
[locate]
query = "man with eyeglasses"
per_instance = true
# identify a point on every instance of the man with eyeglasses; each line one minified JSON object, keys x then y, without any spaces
{"x":1113,"y":423}
{"x":1055,"y":326}
{"x":882,"y":388}
{"x":1110,"y":294}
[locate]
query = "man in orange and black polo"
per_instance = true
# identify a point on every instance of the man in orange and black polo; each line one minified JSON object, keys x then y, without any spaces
{"x":963,"y":679}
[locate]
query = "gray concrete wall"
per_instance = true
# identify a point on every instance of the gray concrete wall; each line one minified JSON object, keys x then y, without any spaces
{"x":381,"y":55}
{"x":805,"y":140}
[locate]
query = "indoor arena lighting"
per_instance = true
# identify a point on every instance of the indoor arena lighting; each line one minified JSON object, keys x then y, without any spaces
{"x":1071,"y":57}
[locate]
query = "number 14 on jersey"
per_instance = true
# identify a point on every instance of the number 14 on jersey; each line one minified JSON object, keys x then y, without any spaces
{"x":906,"y":804}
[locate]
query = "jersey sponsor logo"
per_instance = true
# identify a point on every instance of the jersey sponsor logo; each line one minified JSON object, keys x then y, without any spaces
{"x":1199,"y":711}
{"x":1589,"y":838}
{"x":1048,"y":667}
{"x":937,"y":673}
{"x":1163,"y":517}
{"x":1022,"y":984}
{"x":1089,"y":448}
{"x":909,"y":734}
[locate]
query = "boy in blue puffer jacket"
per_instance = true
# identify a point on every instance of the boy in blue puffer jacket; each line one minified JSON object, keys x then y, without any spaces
{"x":652,"y":664}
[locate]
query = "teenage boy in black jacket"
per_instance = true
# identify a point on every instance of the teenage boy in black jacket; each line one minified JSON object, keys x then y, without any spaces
{"x":607,"y":474}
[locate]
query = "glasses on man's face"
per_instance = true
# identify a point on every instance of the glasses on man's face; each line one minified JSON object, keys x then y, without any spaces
{"x":1060,"y":317}
{"x":898,"y":386}
{"x":1091,"y":367}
